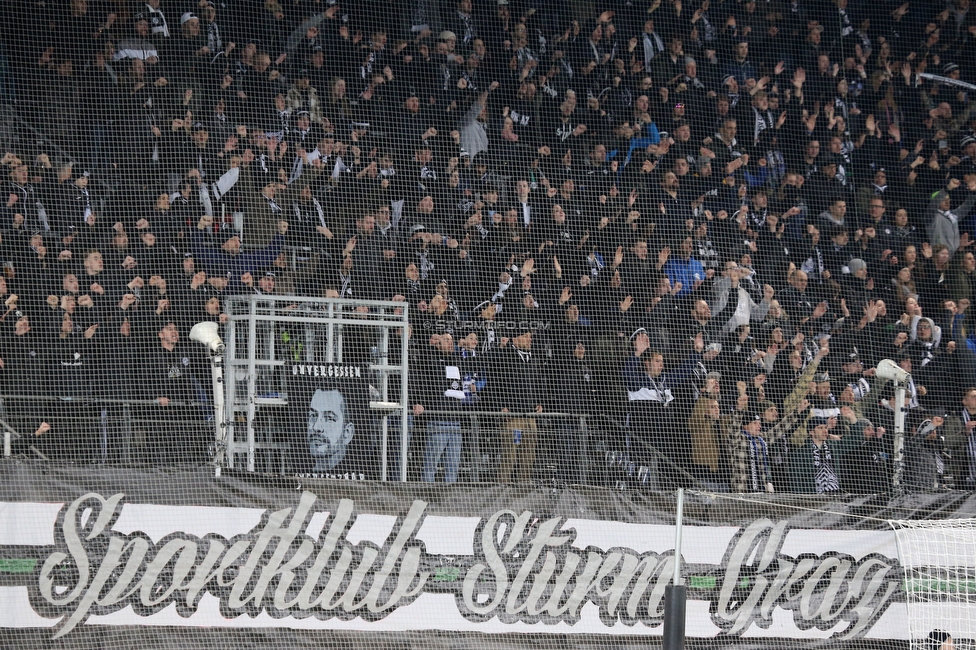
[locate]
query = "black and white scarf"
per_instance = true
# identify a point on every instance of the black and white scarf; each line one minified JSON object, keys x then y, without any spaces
{"x":418,"y":14}
{"x":759,"y":218}
{"x":85,"y":198}
{"x":413,"y":286}
{"x":424,"y":264}
{"x":28,"y":195}
{"x":814,"y":264}
{"x":970,"y":449}
{"x":567,"y":68}
{"x":758,"y":452}
{"x":763,"y":120}
{"x":469,"y":33}
{"x":315,"y":211}
{"x":366,"y":69}
{"x":709,"y":31}
{"x":214,"y":41}
{"x":471,"y":76}
{"x":825,"y":477}
{"x":694,"y":83}
{"x":653,"y":45}
{"x":157,"y":22}
{"x":860,"y":387}
{"x":273,"y":206}
{"x":345,"y":288}
{"x":284,"y":117}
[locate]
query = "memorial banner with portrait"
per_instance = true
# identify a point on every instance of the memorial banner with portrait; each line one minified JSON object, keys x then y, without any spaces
{"x":329,"y":424}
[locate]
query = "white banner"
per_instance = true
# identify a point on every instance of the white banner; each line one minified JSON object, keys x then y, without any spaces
{"x":314,"y":565}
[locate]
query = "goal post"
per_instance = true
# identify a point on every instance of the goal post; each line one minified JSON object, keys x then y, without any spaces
{"x":939,"y":561}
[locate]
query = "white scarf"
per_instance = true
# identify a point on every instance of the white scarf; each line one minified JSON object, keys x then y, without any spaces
{"x":950,"y":215}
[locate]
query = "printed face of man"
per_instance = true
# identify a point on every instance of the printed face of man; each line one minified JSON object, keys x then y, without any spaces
{"x":328,"y":434}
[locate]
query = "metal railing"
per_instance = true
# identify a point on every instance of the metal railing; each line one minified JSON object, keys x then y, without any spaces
{"x":114,"y":421}
{"x":252,"y":348}
{"x":573,"y":448}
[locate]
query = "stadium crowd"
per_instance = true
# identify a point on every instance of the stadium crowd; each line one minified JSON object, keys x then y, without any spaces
{"x":709,"y":219}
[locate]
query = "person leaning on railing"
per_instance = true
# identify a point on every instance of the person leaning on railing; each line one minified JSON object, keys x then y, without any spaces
{"x":170,"y":374}
{"x":439,"y":384}
{"x":519,"y":387}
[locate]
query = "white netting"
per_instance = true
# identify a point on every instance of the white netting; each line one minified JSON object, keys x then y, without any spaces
{"x":593,"y":250}
{"x":667,"y":228}
{"x":939,"y":558}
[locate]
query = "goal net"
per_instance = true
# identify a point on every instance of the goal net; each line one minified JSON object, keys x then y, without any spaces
{"x":939,"y":559}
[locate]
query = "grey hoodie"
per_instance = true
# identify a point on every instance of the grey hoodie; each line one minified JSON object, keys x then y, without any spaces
{"x":943,"y":225}
{"x":474,"y":138}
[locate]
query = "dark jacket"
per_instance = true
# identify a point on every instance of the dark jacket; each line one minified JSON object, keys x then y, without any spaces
{"x":171,"y":374}
{"x":925,"y":460}
{"x":518,"y":380}
{"x":802,"y":465}
{"x":448,"y":382}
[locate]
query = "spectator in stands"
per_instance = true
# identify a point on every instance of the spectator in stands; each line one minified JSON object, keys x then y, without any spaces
{"x":168,"y":378}
{"x":443,"y":385}
{"x":943,"y":221}
{"x":578,"y":382}
{"x":750,"y":447}
{"x":521,"y":389}
{"x":732,"y":304}
{"x":817,"y":466}
{"x":705,"y":427}
{"x":961,"y":442}
{"x":686,"y":269}
{"x":926,"y":455}
{"x":868,"y":470}
{"x":230,"y":260}
{"x":650,"y":397}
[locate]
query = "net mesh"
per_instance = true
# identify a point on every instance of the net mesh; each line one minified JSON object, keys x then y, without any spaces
{"x":940,"y":579}
{"x":548,"y":253}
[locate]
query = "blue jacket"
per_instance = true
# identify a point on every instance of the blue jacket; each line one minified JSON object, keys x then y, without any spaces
{"x":215,"y":261}
{"x":687,"y":272}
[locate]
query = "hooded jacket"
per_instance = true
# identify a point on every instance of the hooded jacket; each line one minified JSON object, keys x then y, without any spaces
{"x":943,"y":225}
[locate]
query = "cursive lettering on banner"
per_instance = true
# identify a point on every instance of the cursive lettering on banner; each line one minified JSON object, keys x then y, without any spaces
{"x":524,"y":569}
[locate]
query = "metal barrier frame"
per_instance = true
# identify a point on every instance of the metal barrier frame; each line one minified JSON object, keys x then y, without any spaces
{"x":10,"y":434}
{"x":247,"y":312}
{"x":477,"y":426}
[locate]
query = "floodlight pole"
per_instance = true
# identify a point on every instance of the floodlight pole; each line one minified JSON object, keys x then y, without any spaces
{"x":220,"y":432}
{"x":898,"y":451}
{"x":676,"y":594}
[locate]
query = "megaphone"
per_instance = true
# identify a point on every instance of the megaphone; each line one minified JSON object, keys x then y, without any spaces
{"x":890,"y":371}
{"x":207,"y":334}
